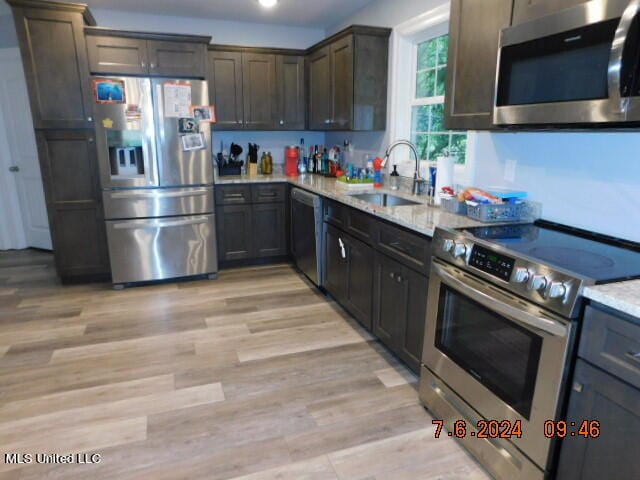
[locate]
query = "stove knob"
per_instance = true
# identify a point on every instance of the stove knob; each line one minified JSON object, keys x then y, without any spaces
{"x":537,"y":282}
{"x":557,"y":290}
{"x":447,"y":245}
{"x":459,"y":250}
{"x":521,"y":275}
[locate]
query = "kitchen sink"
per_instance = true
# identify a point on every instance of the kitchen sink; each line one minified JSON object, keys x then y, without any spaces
{"x":384,"y":199}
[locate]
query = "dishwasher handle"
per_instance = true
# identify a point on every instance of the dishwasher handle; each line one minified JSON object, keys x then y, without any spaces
{"x":305,"y":197}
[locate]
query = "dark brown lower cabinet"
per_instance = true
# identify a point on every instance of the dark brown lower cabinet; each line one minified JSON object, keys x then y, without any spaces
{"x":268,"y":233}
{"x":597,"y":395}
{"x":234,"y":232}
{"x":400,"y":309}
{"x":250,"y":231}
{"x":69,"y":172}
{"x":349,"y":273}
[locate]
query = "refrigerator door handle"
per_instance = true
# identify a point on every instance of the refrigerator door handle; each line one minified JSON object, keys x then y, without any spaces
{"x":159,"y":195}
{"x":135,"y":225}
{"x":149,"y":149}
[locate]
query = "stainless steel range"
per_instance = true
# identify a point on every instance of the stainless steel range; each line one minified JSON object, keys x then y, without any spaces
{"x":503,"y":310}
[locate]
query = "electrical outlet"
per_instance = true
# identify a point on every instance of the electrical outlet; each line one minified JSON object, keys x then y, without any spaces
{"x":510,"y":170}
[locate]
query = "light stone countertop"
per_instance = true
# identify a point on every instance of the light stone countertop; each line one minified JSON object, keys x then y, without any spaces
{"x":621,"y":296}
{"x":419,"y":218}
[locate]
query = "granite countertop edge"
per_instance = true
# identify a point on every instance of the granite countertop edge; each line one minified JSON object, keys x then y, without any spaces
{"x":422,"y":218}
{"x":621,"y":296}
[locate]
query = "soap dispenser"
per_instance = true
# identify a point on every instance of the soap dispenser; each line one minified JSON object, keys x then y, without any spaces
{"x":394,"y":179}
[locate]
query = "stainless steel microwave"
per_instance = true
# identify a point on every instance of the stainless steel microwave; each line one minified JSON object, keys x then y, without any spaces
{"x":576,"y":68}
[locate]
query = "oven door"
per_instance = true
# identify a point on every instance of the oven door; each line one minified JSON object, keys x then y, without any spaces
{"x":503,"y":356}
{"x":579,"y":66}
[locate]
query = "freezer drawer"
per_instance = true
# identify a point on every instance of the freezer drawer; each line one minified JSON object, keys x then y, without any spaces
{"x":162,"y":248}
{"x":157,"y":202}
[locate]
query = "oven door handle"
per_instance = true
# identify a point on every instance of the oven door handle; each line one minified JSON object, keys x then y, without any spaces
{"x":617,"y":56}
{"x":547,"y":325}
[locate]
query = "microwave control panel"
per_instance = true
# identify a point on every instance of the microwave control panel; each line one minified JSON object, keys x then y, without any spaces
{"x":493,"y":263}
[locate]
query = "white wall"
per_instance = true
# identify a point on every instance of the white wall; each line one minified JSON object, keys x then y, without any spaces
{"x":274,"y":142}
{"x":386,"y":13}
{"x":587,"y":180}
{"x":224,"y":32}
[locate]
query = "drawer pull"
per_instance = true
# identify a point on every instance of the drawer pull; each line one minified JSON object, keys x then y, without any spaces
{"x":398,"y":246}
{"x":633,"y":356}
{"x":233,"y":195}
{"x":577,"y":387}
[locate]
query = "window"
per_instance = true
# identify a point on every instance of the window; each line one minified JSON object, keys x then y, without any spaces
{"x":427,"y":105}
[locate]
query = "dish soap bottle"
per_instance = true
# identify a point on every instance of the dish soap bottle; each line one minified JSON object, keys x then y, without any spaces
{"x":394,"y":179}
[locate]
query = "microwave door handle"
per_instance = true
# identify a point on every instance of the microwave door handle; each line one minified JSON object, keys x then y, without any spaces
{"x":547,"y":325}
{"x":621,"y":104}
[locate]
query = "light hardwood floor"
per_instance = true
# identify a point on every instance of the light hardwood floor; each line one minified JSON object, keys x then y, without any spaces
{"x":254,"y":376}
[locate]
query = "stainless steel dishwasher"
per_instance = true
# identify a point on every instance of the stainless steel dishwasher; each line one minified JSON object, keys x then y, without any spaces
{"x":306,"y":234}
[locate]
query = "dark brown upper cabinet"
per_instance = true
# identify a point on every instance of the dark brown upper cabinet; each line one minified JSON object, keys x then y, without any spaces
{"x":348,"y":80}
{"x":111,"y":55}
{"x":54,"y":57}
{"x":474,"y":33}
{"x":178,"y":59}
{"x":319,"y":89}
{"x":291,"y":92}
{"x":225,"y":88}
{"x":525,"y":10}
{"x":130,"y":53}
{"x":257,"y":88}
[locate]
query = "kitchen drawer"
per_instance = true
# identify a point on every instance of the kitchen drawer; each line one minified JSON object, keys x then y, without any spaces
{"x":233,"y":194}
{"x":362,"y":225}
{"x":335,"y":213}
{"x":611,"y":343}
{"x":268,"y":193}
{"x":411,"y":249}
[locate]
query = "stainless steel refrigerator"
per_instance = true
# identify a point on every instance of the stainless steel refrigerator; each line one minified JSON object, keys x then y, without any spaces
{"x":156,"y":173}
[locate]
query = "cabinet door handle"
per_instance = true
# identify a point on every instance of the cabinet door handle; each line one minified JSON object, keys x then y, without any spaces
{"x":90,"y":139}
{"x":392,"y":275}
{"x":343,"y":251}
{"x":14,"y":168}
{"x":577,"y":387}
{"x":633,"y":356}
{"x":89,"y":119}
{"x":398,"y":246}
{"x":281,"y":122}
{"x":142,"y":64}
{"x":152,"y":65}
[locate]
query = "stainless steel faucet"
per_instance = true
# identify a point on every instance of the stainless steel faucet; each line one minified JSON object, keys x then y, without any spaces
{"x":419,"y":183}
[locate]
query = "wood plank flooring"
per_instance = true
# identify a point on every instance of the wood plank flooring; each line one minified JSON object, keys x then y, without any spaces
{"x":254,"y":376}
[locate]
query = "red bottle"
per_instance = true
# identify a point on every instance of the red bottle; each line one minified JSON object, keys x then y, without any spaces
{"x":292,"y":157}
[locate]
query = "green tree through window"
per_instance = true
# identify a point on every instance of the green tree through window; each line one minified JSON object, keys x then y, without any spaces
{"x":427,"y":111}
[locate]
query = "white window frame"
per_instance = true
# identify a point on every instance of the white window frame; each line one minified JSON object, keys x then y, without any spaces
{"x":404,"y":53}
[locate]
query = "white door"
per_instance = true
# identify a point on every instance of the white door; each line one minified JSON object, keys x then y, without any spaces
{"x":23,"y":198}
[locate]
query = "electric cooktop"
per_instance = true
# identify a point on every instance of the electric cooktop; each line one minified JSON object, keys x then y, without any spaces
{"x":566,"y":248}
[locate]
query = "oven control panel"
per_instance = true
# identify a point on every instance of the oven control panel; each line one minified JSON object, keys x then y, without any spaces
{"x":493,"y":263}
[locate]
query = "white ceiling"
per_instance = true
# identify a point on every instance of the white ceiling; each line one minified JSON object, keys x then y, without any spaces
{"x":305,"y":13}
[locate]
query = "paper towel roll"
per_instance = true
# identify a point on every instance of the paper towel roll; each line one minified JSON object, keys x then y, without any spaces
{"x":444,"y":177}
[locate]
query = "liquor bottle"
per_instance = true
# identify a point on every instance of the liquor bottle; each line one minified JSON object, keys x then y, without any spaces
{"x":325,"y":162}
{"x":302,"y":161}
